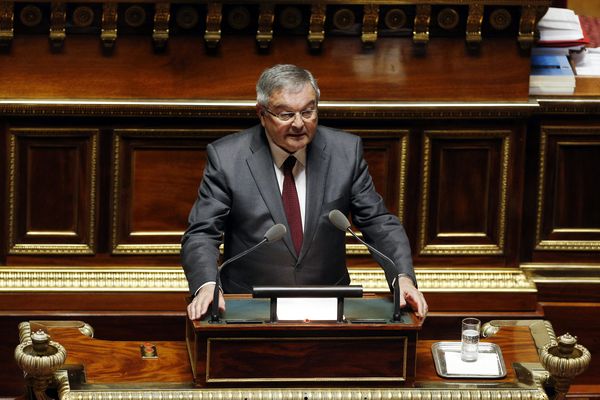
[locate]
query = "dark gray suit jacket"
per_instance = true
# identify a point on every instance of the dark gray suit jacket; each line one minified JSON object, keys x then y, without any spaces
{"x":239,"y":200}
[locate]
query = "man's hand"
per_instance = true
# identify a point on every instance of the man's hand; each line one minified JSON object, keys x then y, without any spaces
{"x":203,"y":299}
{"x":411,"y":295}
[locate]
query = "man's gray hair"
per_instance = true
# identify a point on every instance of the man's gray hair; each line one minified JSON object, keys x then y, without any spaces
{"x":283,"y":76}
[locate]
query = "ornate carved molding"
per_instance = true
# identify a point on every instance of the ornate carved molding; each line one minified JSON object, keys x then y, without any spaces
{"x":108,"y":34}
{"x":474,"y":22}
{"x":58,"y":22}
{"x":246,"y":109}
{"x":266,"y":17}
{"x":6,"y":23}
{"x":316,"y":30}
{"x":370,"y":21}
{"x":421,"y":27}
{"x":572,"y":274}
{"x":214,"y":15}
{"x":172,"y":279}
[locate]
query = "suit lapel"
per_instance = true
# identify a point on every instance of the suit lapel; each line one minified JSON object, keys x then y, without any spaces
{"x":317,"y":167}
{"x":260,"y":163}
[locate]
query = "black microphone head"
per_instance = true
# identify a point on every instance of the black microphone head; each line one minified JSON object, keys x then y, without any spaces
{"x":275,"y":233}
{"x":339,"y":220}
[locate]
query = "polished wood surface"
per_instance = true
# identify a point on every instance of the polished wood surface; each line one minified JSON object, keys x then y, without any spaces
{"x":113,"y":362}
{"x":390,"y":71}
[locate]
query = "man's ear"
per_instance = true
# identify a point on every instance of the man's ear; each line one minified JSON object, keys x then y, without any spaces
{"x":260,"y":113}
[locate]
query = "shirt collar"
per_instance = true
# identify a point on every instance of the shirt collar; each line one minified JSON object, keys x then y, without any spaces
{"x":280,"y":155}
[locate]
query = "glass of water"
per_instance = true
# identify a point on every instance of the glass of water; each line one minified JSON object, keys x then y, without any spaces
{"x":470,"y":339}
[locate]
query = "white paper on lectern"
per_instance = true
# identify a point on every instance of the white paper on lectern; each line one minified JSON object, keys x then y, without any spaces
{"x":486,"y":364}
{"x":307,"y":308}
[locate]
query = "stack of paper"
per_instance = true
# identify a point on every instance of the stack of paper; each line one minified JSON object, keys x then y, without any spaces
{"x":551,"y":75}
{"x":560,"y":27}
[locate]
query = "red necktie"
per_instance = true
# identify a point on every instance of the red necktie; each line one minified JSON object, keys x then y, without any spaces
{"x":291,"y":205}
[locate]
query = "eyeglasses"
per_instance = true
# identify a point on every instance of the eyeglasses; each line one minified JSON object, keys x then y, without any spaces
{"x":288,"y":116}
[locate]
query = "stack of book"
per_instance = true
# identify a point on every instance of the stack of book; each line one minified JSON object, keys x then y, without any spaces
{"x":561,"y":28}
{"x":551,"y":74}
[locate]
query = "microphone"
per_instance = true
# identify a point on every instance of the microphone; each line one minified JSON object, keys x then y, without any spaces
{"x":275,"y":233}
{"x":337,"y":218}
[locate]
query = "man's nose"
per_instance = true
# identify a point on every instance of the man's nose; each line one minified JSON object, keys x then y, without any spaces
{"x":298,"y":122}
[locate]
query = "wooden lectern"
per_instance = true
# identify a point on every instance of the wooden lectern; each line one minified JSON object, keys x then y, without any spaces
{"x":367,"y":348}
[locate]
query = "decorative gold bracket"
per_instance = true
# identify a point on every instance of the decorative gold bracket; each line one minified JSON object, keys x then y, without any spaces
{"x":160,"y":33}
{"x":266,"y":17}
{"x":527,"y":27}
{"x":214,"y":15}
{"x":6,"y":23}
{"x":474,"y":21}
{"x":316,"y":32}
{"x":370,"y":21}
{"x":58,"y":21}
{"x":421,"y":27}
{"x":109,"y":25}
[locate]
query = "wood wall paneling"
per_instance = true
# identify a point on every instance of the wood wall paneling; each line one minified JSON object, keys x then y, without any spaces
{"x":568,"y":215}
{"x":53,"y":178}
{"x":156,"y":174}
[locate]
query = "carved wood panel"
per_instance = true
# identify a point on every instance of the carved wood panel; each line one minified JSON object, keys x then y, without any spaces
{"x":155,"y":179}
{"x":568,"y":215}
{"x":52,"y":207}
{"x":464,"y":192}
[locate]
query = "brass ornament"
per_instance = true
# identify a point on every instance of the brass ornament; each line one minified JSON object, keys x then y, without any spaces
{"x":316,"y":30}
{"x":370,"y":21}
{"x":135,"y":16}
{"x":264,"y":33}
{"x":564,"y":360}
{"x":6,"y":23}
{"x":239,"y":18}
{"x":108,"y":33}
{"x":527,"y":27}
{"x":343,"y":19}
{"x":187,"y":17}
{"x":395,"y":19}
{"x":421,"y":25}
{"x":83,"y":16}
{"x":160,"y":33}
{"x":39,"y":358}
{"x":474,"y":21}
{"x":290,"y":17}
{"x":448,"y":18}
{"x":214,"y":15}
{"x":58,"y":22}
{"x":30,"y":16}
{"x":500,"y":19}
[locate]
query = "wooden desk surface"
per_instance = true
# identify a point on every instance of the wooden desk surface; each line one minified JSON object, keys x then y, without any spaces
{"x":119,"y":362}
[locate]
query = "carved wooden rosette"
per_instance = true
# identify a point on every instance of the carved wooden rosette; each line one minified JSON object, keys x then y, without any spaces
{"x":474,"y":21}
{"x":58,"y":22}
{"x":421,"y":27}
{"x":316,"y":31}
{"x":6,"y":23}
{"x":214,"y":15}
{"x":108,"y":34}
{"x":370,"y":21}
{"x":264,"y":33}
{"x":160,"y":33}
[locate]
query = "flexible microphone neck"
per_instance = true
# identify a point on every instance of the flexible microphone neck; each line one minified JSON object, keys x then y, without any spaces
{"x":340,"y":221}
{"x":274,"y":234}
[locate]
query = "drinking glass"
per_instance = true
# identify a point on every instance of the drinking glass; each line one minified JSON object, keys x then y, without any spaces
{"x":470,"y":339}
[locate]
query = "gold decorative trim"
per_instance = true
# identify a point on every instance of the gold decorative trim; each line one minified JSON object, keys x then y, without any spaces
{"x":212,"y":34}
{"x":108,"y":34}
{"x":542,"y":331}
{"x":58,"y":22}
{"x":558,"y":274}
{"x":527,"y":27}
{"x":232,"y":109}
{"x":558,"y":245}
{"x":160,"y":33}
{"x":464,"y":249}
{"x":6,"y":22}
{"x":369,"y":26}
{"x":316,"y":30}
{"x":172,"y":279}
{"x":51,"y":248}
{"x":474,"y":22}
{"x":266,"y":17}
{"x":421,"y":25}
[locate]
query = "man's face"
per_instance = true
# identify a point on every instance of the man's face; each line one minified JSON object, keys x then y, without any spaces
{"x":299,"y":131}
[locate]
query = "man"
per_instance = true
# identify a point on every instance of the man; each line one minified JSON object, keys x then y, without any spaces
{"x":250,"y":184}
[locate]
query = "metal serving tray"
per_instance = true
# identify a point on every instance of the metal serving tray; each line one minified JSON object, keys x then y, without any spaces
{"x":489,"y":364}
